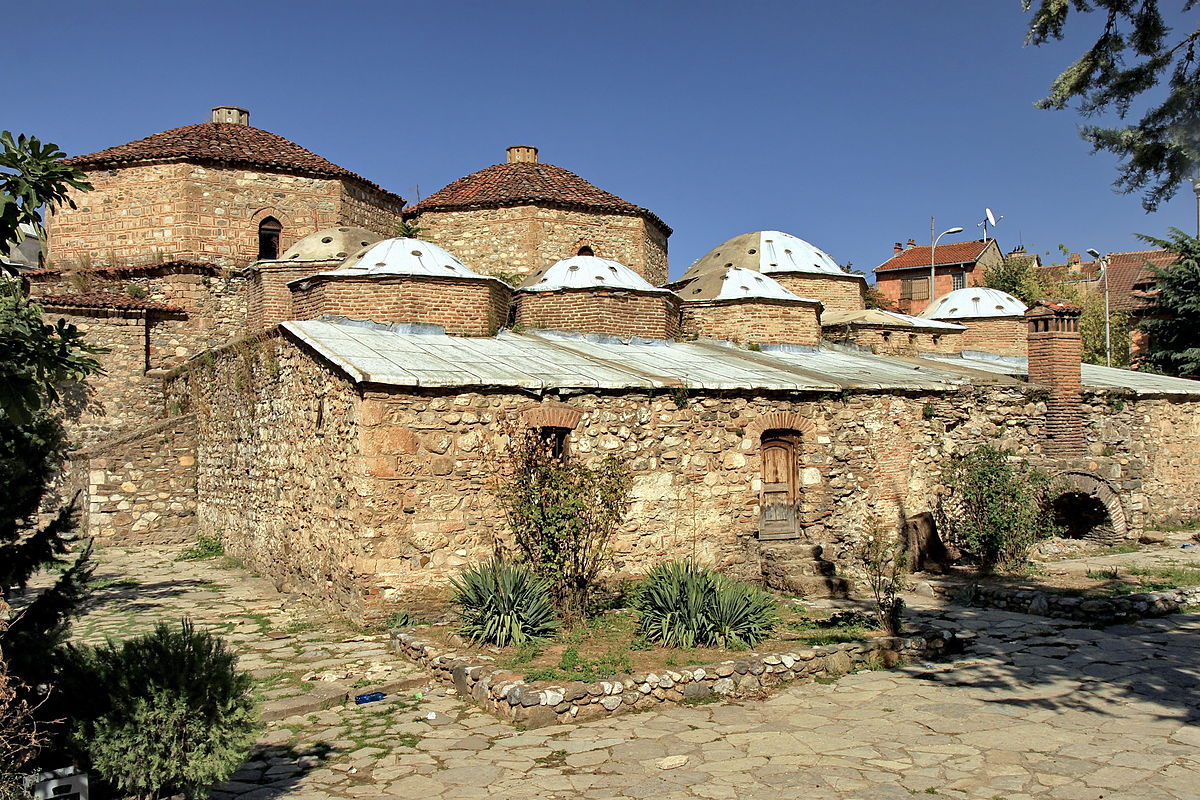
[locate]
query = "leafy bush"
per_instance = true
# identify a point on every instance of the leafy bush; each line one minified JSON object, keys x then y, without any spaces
{"x":503,"y":603}
{"x":996,"y":509}
{"x":682,"y":604}
{"x":173,"y":714}
{"x":884,"y":560}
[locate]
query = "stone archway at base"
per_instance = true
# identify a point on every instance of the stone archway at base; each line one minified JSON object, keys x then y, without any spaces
{"x":1092,"y":498}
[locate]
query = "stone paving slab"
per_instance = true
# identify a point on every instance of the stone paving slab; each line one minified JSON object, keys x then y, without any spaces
{"x":1039,"y":708}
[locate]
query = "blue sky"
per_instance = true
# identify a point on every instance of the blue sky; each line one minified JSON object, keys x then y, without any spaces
{"x":845,"y":123}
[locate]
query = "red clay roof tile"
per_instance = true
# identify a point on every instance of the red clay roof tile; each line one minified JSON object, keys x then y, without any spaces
{"x":104,"y":300}
{"x":949,"y":253}
{"x":528,"y":183}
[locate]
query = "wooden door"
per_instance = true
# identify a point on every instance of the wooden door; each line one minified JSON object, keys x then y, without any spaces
{"x":778,"y":507}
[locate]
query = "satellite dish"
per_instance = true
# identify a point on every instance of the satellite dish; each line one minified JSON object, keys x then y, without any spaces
{"x":991,"y":218}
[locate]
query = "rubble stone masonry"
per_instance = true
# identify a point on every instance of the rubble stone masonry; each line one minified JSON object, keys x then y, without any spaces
{"x":369,"y":497}
{"x":754,"y":321}
{"x":516,"y":241}
{"x":614,"y":312}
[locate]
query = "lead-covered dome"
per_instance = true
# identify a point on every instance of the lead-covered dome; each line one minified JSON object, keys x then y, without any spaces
{"x":736,"y":283}
{"x":331,"y":244}
{"x":587,"y":272}
{"x":974,"y":302}
{"x":767,"y":252}
{"x":404,"y":256}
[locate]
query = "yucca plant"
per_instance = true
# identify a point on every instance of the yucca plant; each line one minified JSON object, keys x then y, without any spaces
{"x":503,"y":603}
{"x":682,"y":604}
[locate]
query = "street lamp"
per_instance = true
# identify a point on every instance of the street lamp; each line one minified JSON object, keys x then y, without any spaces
{"x":1107,"y":333}
{"x":932,"y":251}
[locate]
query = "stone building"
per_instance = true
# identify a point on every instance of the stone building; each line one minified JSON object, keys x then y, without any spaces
{"x":334,"y":413}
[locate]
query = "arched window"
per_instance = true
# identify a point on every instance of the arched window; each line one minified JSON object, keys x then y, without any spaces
{"x":268,"y":238}
{"x":586,"y":251}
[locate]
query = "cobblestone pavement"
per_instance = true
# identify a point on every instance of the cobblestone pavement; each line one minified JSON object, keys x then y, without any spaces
{"x":1038,"y":708}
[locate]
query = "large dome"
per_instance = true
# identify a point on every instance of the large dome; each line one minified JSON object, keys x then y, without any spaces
{"x":404,"y":257}
{"x":587,"y":272}
{"x":974,"y":302}
{"x":330,"y":244}
{"x":767,"y":252}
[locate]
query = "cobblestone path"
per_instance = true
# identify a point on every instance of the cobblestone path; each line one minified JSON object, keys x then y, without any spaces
{"x":1038,"y":708}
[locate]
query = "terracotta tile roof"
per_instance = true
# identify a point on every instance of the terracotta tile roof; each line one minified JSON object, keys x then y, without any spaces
{"x":526,"y":183}
{"x":175,"y":266}
{"x":222,"y":143}
{"x":1130,"y":277}
{"x":949,"y":253}
{"x":104,"y":300}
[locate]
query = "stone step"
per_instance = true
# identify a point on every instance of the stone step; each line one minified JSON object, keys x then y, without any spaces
{"x":810,"y":585}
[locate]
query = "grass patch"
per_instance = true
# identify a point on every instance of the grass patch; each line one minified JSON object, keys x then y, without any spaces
{"x":114,"y":583}
{"x":205,"y":547}
{"x":1104,"y":574}
{"x":1123,"y":547}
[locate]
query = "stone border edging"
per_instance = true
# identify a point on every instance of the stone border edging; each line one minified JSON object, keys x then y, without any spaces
{"x":1094,"y":610}
{"x":504,"y":693}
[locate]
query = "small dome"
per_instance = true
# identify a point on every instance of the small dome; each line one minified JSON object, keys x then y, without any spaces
{"x":974,"y":302}
{"x":331,"y":244}
{"x":587,"y":272}
{"x":767,"y":252}
{"x":736,"y":283}
{"x":404,"y":257}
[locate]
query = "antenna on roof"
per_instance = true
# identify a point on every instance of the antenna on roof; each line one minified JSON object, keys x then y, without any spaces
{"x":989,"y":219}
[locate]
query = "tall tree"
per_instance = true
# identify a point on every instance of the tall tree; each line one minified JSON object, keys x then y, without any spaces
{"x":1174,"y":330}
{"x":1134,"y":54}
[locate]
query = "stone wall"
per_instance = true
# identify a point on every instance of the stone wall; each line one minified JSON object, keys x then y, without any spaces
{"x":1002,"y":336}
{"x":754,"y":320}
{"x":515,"y":241}
{"x":1092,"y":610}
{"x":618,"y":313}
{"x":896,"y":341}
{"x":373,"y":497}
{"x":464,"y":307}
{"x":836,"y":292}
{"x":161,"y":212}
{"x":141,"y":488}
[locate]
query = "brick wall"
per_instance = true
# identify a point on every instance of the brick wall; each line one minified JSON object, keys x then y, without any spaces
{"x":757,"y":320}
{"x":141,"y":488}
{"x":897,"y":341}
{"x":1003,"y":336}
{"x":619,"y":313}
{"x":1054,"y":361}
{"x":462,"y":307}
{"x":162,"y":212}
{"x":518,"y":240}
{"x":836,"y":292}
{"x":270,"y":299}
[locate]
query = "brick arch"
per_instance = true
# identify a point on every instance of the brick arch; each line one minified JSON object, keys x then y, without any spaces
{"x":290,"y":226}
{"x":781,"y":420}
{"x":551,"y":415}
{"x":1097,"y":487}
{"x":581,"y":243}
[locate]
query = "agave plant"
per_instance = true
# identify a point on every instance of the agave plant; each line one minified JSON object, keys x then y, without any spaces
{"x":503,"y":603}
{"x":681,"y":604}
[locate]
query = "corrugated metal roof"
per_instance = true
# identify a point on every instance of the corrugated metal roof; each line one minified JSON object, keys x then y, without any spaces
{"x":878,"y":316}
{"x":1093,"y":376}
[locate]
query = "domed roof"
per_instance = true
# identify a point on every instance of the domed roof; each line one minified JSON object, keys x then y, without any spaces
{"x":330,"y":244}
{"x":974,"y":302}
{"x":587,"y":272}
{"x":736,"y":283}
{"x":518,"y":183}
{"x":404,"y":257}
{"x":767,"y":252}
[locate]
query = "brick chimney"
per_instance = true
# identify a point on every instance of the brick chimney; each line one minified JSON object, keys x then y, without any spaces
{"x":911,"y":244}
{"x":522,"y":152}
{"x":1073,"y":259}
{"x":897,"y":249}
{"x":231,"y":114}
{"x":1055,"y":353}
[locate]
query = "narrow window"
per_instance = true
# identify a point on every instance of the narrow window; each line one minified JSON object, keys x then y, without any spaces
{"x":586,"y":251}
{"x":960,"y":280}
{"x":268,"y":239}
{"x":555,"y":440}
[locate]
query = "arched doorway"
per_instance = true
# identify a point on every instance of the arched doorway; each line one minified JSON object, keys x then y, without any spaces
{"x":1088,"y":508}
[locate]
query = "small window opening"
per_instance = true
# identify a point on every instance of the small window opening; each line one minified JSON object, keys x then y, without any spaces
{"x":960,"y":280}
{"x":586,"y":251}
{"x":555,"y":440}
{"x":268,"y":238}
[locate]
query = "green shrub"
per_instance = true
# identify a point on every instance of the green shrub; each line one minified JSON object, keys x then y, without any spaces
{"x":172,"y":714}
{"x":503,"y":603}
{"x":205,"y":547}
{"x":681,"y":604}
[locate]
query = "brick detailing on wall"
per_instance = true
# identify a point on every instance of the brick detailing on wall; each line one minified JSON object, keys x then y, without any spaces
{"x":141,"y":488}
{"x":551,"y":415}
{"x":270,"y":298}
{"x":837,"y":292}
{"x":521,"y":239}
{"x":618,"y":312}
{"x":177,"y":210}
{"x":463,"y":307}
{"x":900,"y":341}
{"x":781,"y":421}
{"x":1055,"y":354}
{"x":1093,"y":486}
{"x":757,"y":320}
{"x":1002,"y":336}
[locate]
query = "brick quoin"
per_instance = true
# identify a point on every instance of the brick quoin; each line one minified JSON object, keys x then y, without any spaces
{"x":754,"y":320}
{"x":613,"y":312}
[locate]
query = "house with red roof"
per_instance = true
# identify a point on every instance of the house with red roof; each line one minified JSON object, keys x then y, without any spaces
{"x":904,"y":278}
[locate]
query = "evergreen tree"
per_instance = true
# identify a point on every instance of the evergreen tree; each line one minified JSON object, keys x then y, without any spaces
{"x":1174,"y":330}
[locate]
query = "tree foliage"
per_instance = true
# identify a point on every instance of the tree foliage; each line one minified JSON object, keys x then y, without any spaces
{"x":562,"y":513}
{"x":1174,"y":329}
{"x":1016,"y":275}
{"x":1134,"y":53}
{"x":32,"y":176}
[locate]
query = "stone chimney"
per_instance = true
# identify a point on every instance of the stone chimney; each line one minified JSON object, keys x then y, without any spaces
{"x":897,"y":249}
{"x":231,"y":114}
{"x":1055,"y":353}
{"x":522,"y":152}
{"x":911,"y":244}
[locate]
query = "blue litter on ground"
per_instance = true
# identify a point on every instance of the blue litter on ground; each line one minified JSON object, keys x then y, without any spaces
{"x":369,"y":697}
